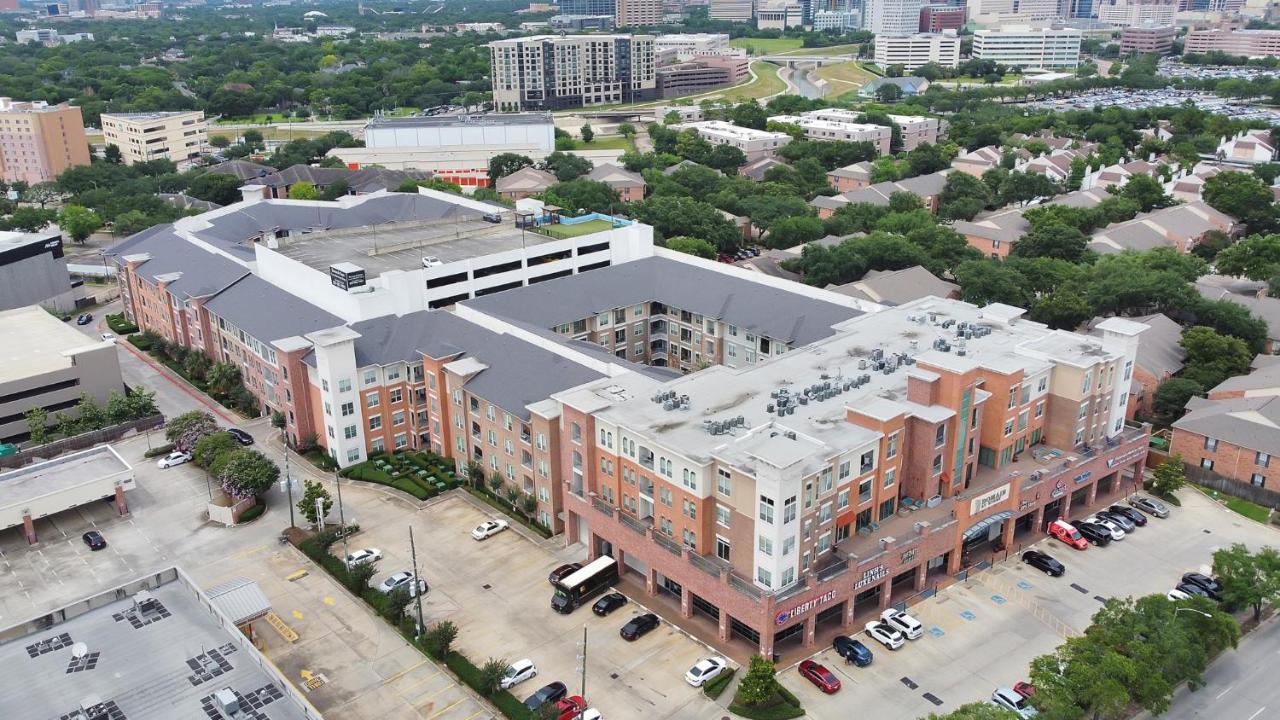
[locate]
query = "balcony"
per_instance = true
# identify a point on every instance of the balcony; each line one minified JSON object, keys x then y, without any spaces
{"x":668,"y":544}
{"x":602,"y":506}
{"x":639,"y":526}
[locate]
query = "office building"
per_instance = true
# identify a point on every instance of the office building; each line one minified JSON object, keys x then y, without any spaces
{"x":1003,"y":12}
{"x":589,"y":7}
{"x":936,"y":18}
{"x":688,"y":46}
{"x":1137,"y":13}
{"x":847,"y":129}
{"x":43,"y":36}
{"x":550,"y":72}
{"x":701,"y":74}
{"x":892,"y":17}
{"x":1247,"y":43}
{"x":1026,"y":47}
{"x":1147,"y":40}
{"x":578,"y":23}
{"x":637,"y":13}
{"x":841,"y":20}
{"x":912,"y":51}
{"x":33,"y":271}
{"x":779,"y":14}
{"x":732,"y":10}
{"x":47,"y":363}
{"x":38,"y":140}
{"x":753,"y":143}
{"x":180,"y":136}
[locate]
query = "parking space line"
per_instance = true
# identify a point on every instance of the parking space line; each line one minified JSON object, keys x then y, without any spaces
{"x":446,"y":708}
{"x":480,"y":712}
{"x":1251,"y":717}
{"x":1225,"y":690}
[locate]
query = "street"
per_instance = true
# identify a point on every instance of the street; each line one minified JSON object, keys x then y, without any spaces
{"x":1239,"y":686}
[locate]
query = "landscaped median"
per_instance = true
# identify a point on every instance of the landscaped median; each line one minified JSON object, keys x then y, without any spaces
{"x":420,"y":474}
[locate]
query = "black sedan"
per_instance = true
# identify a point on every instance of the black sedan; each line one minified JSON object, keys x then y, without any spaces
{"x":546,"y":695}
{"x":563,"y":572}
{"x":609,"y":603}
{"x":639,"y":625}
{"x":1044,"y":563}
{"x":241,"y":436}
{"x":94,"y":540}
{"x":1194,"y":590}
{"x":1123,"y":521}
{"x":1095,"y":534}
{"x":84,"y":319}
{"x":1136,"y":517}
{"x":1208,"y":584}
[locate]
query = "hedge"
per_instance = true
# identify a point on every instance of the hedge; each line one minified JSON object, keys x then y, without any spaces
{"x":409,"y":486}
{"x":158,"y":451}
{"x":780,"y":709}
{"x":468,"y":673}
{"x":252,"y":513}
{"x":139,"y":342}
{"x":120,"y":326}
{"x":788,"y":695}
{"x":507,"y":510}
{"x":718,"y":684}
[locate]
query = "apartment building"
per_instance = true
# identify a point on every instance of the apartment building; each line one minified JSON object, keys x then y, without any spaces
{"x":796,"y":497}
{"x":635,"y":13}
{"x":915,"y":130}
{"x":1147,"y":40}
{"x":1248,"y":43}
{"x":912,"y":51}
{"x":551,"y":72}
{"x":823,"y":128}
{"x":38,"y":140}
{"x":892,"y":17}
{"x":1026,"y":47}
{"x":1138,"y":13}
{"x":180,"y":136}
{"x":753,"y":143}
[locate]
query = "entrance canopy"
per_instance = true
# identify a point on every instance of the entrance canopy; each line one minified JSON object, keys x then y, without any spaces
{"x":979,"y":528}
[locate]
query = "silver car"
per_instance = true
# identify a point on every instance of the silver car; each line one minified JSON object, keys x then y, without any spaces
{"x":1150,"y":506}
{"x":1117,"y":532}
{"x":1010,"y":700}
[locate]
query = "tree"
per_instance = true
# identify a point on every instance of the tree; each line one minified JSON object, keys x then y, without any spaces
{"x":185,"y":430}
{"x":254,"y":139}
{"x":692,"y":246}
{"x":491,"y":675}
{"x":92,"y":415}
{"x":682,"y":216}
{"x":438,"y":639}
{"x":926,"y":159}
{"x":1255,"y":257}
{"x":795,"y":230}
{"x":313,"y":492}
{"x":759,"y":685}
{"x":221,"y":377}
{"x":582,"y":194}
{"x":336,"y":189}
{"x":987,"y":281}
{"x":38,"y":424}
{"x":303,"y":190}
{"x":1169,"y":476}
{"x":1242,"y":196}
{"x":29,"y":219}
{"x":627,"y":130}
{"x":888,"y":93}
{"x":196,"y":365}
{"x":1171,"y":397}
{"x":220,"y":141}
{"x":1211,"y":357}
{"x":1053,"y":241}
{"x":210,"y":448}
{"x":963,"y":196}
{"x":504,"y":164}
{"x":1248,"y":579}
{"x":248,"y":473}
{"x":216,"y":188}
{"x":1147,"y":192}
{"x":112,"y":154}
{"x":1063,"y":309}
{"x":977,"y":711}
{"x":359,"y":575}
{"x":42,"y":194}
{"x":566,"y":166}
{"x":397,"y":600}
{"x":726,"y":159}
{"x":131,"y":222}
{"x":79,"y":222}
{"x":587,"y":133}
{"x":749,"y":114}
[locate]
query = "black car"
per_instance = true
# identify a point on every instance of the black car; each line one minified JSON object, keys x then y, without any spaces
{"x":1208,"y":584}
{"x":1095,"y":534}
{"x":241,"y":436}
{"x":546,"y":695}
{"x":1134,"y":516}
{"x":638,"y":625}
{"x":1123,"y":521}
{"x":563,"y":572}
{"x":94,"y":540}
{"x":1044,"y":563}
{"x":1194,"y":589}
{"x":852,"y":650}
{"x":609,"y":603}
{"x":84,"y":319}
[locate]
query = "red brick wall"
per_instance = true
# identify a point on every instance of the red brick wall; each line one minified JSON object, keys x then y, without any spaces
{"x":1233,"y":461}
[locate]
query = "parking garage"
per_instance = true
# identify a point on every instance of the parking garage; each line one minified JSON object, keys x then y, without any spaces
{"x":69,"y":481}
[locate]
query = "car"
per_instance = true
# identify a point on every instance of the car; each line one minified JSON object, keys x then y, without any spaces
{"x":84,"y":319}
{"x":547,"y":694}
{"x":1176,"y":594}
{"x":365,"y":555}
{"x":819,"y":675}
{"x":1210,"y":585}
{"x":431,"y":261}
{"x":1025,"y":689}
{"x":94,"y":540}
{"x":1125,"y":523}
{"x":518,"y":672}
{"x":1067,"y":533}
{"x":570,"y":707}
{"x":563,"y":572}
{"x":1117,"y":532}
{"x":1095,"y":534}
{"x":590,"y":714}
{"x":609,"y":603}
{"x":402,"y":579}
{"x":1134,"y":516}
{"x":885,"y":634}
{"x":1193,"y":590}
{"x":853,"y":651}
{"x":1010,"y":700}
{"x":1150,"y":506}
{"x":638,"y":626}
{"x":109,"y":337}
{"x":903,"y":623}
{"x":705,"y":670}
{"x":173,"y":458}
{"x":241,"y":436}
{"x":1044,"y":563}
{"x":488,"y":529}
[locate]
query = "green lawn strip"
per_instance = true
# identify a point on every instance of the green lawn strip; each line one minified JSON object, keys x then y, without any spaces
{"x":1253,"y":511}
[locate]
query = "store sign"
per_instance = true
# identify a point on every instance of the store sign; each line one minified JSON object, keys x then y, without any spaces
{"x":1083,"y":476}
{"x":878,"y":572}
{"x":1059,"y":489}
{"x":909,"y":555}
{"x":1121,"y":459}
{"x":804,"y":607}
{"x":989,"y":499}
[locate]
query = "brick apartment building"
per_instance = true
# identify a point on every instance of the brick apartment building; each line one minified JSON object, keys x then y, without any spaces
{"x":38,"y":140}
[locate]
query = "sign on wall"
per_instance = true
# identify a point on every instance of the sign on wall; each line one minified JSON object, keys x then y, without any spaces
{"x":804,"y":607}
{"x":878,"y":572}
{"x":989,"y":499}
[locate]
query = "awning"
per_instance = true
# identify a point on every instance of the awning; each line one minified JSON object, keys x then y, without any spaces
{"x":980,"y":527}
{"x":240,"y":599}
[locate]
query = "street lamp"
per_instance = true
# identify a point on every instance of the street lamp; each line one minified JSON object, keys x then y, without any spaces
{"x":1198,"y":612}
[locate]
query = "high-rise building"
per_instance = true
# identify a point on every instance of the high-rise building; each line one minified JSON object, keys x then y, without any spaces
{"x":550,"y":72}
{"x":1026,"y":47}
{"x":892,"y":17}
{"x":732,"y":10}
{"x":635,"y":13}
{"x":38,"y":140}
{"x":912,"y":51}
{"x":180,"y":136}
{"x":1147,"y":40}
{"x":1136,"y":13}
{"x":936,"y":18}
{"x":589,"y":7}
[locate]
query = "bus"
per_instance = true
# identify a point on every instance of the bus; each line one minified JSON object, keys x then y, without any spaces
{"x":597,"y":576}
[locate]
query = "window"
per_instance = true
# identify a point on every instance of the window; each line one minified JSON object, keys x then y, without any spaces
{"x":348,"y":409}
{"x":393,"y":373}
{"x":1040,"y":408}
{"x":1258,"y":479}
{"x":845,"y":469}
{"x":379,"y":445}
{"x":891,"y":450}
{"x":689,"y":509}
{"x":723,"y":485}
{"x":493,"y":438}
{"x":824,"y":513}
{"x":689,"y":479}
{"x":1044,"y":383}
{"x":824,"y":481}
{"x":1088,"y":381}
{"x":766,"y":509}
{"x":349,"y":432}
{"x":370,"y":377}
{"x":789,"y":510}
{"x":324,"y":385}
{"x":1008,"y":427}
{"x":353,"y":454}
{"x":940,"y":436}
{"x":664,"y":496}
{"x":344,"y":385}
{"x":867,"y":462}
{"x":764,"y":577}
{"x":328,"y":409}
{"x":375,"y":422}
{"x":1210,"y":444}
{"x":1128,"y":369}
{"x":937,"y":464}
{"x":722,"y":515}
{"x":1206,"y":463}
{"x":575,"y":432}
{"x":788,"y":545}
{"x":1261,"y":459}
{"x":396,"y":396}
{"x":824,"y":542}
{"x":1013,"y":397}
{"x":372,"y":400}
{"x":887,"y":507}
{"x":842,"y":500}
{"x":1084,"y":410}
{"x":766,"y":546}
{"x":690,"y":538}
{"x":397,"y":418}
{"x":864,"y":490}
{"x":888,"y":474}
{"x":722,"y":549}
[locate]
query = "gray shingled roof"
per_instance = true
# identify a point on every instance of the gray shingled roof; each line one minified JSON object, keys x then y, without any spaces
{"x":1158,"y":349}
{"x":784,"y":316}
{"x":268,"y":313}
{"x":1253,"y":423}
{"x":1267,"y":308}
{"x":897,"y":287}
{"x":201,"y":273}
{"x":1265,"y":378}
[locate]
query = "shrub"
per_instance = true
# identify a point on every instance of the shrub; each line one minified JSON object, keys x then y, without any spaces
{"x":438,"y":640}
{"x":779,"y":709}
{"x":253,"y":513}
{"x":120,"y":326}
{"x":719,"y":684}
{"x":159,"y":450}
{"x":140,"y":341}
{"x":468,"y":673}
{"x":409,"y":486}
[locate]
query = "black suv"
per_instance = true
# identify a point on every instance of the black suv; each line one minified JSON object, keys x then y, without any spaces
{"x":546,"y":695}
{"x":1044,"y":563}
{"x":1095,"y":534}
{"x":852,"y":650}
{"x":1211,"y":587}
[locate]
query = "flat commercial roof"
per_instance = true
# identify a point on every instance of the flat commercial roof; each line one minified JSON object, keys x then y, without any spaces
{"x":161,"y":660}
{"x":60,"y":474}
{"x":33,"y":342}
{"x":495,"y":120}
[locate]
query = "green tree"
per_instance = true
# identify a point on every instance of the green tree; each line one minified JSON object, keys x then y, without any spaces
{"x":795,"y":230}
{"x":759,"y":685}
{"x":627,"y":130}
{"x":987,"y":281}
{"x":1063,"y":309}
{"x":37,"y":424}
{"x":221,"y":377}
{"x":504,"y":164}
{"x":682,"y":216}
{"x":1248,"y":579}
{"x":313,"y":491}
{"x":133,"y":221}
{"x":582,"y":194}
{"x":1212,"y":357}
{"x":196,"y":365}
{"x":726,"y":159}
{"x":92,"y":415}
{"x":254,"y":139}
{"x":397,"y":600}
{"x":438,"y":639}
{"x":303,"y":190}
{"x":977,"y":711}
{"x":29,"y":219}
{"x":185,"y":430}
{"x":359,"y":575}
{"x":692,"y":246}
{"x":220,"y":141}
{"x":491,"y":674}
{"x":749,"y":114}
{"x":248,"y":473}
{"x":1242,"y":196}
{"x":1171,"y":397}
{"x":1147,"y":192}
{"x":216,"y":188}
{"x":1169,"y":476}
{"x":888,"y":93}
{"x":1053,"y":241}
{"x":566,"y":166}
{"x":963,"y":196}
{"x":78,"y":222}
{"x":587,"y":133}
{"x":112,"y":154}
{"x":210,"y":448}
{"x":1255,"y":257}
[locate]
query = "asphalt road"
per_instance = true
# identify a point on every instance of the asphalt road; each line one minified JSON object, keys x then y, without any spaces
{"x":1239,"y":686}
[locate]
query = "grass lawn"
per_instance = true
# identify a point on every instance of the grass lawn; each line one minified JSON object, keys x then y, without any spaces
{"x":606,"y":142}
{"x":568,"y":231}
{"x":845,"y":77}
{"x":766,"y":83}
{"x":269,"y":133}
{"x":1006,"y":80}
{"x":767,"y":46}
{"x":1239,"y":505}
{"x":825,"y":51}
{"x":261,"y":119}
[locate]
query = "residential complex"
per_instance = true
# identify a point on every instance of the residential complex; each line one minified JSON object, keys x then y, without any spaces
{"x":1026,"y":47}
{"x":33,"y":271}
{"x":178,"y":136}
{"x":912,"y":51}
{"x":842,"y":124}
{"x":1248,"y":43}
{"x":753,"y":143}
{"x":1147,"y":40}
{"x":1232,"y":432}
{"x":38,"y":140}
{"x":48,"y":364}
{"x":551,"y":72}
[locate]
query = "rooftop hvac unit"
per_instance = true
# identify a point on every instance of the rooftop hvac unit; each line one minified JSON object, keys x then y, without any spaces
{"x":741,"y":421}
{"x":790,"y":435}
{"x":769,"y":408}
{"x":877,"y":353}
{"x":226,"y":701}
{"x":862,"y":364}
{"x":804,"y":399}
{"x":909,"y":360}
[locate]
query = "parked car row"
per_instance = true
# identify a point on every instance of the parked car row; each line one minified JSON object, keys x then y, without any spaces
{"x":1196,"y":584}
{"x":179,"y":458}
{"x":555,"y":694}
{"x":893,"y":630}
{"x":1100,"y":529}
{"x":1016,"y":699}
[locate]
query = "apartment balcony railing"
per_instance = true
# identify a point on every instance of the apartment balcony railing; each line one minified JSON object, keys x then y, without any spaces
{"x":744,"y":586}
{"x":794,"y":589}
{"x":668,"y":544}
{"x":637,"y":525}
{"x":602,"y":506}
{"x":706,"y":565}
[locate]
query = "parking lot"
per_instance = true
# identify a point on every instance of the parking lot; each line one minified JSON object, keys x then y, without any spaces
{"x":496,"y":592}
{"x":982,"y":634}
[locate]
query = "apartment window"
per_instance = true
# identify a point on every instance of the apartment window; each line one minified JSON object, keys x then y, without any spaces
{"x":887,"y":507}
{"x":824,"y":513}
{"x":370,"y":377}
{"x":722,"y":515}
{"x":1206,"y":463}
{"x":1210,"y":444}
{"x":845,"y":469}
{"x":766,"y":509}
{"x":824,"y":542}
{"x":489,"y":413}
{"x":1261,"y":459}
{"x":324,"y":384}
{"x":664,"y":496}
{"x":764,"y":577}
{"x":1128,"y":369}
{"x":866,"y":462}
{"x":393,"y":373}
{"x":842,"y":500}
{"x":723,"y":485}
{"x":937,"y":464}
{"x":379,"y":445}
{"x":1008,"y":427}
{"x":1013,"y":397}
{"x":1088,"y":381}
{"x":1084,"y":410}
{"x":766,"y":546}
{"x":1040,"y":408}
{"x":493,"y":438}
{"x":940,"y":436}
{"x":891,"y":451}
{"x":889,"y":474}
{"x":825,"y":481}
{"x":689,"y":509}
{"x":689,"y":479}
{"x":349,"y":432}
{"x":1258,"y":480}
{"x":1044,"y":383}
{"x":401,"y":441}
{"x":722,"y":549}
{"x":372,"y":400}
{"x":575,"y":432}
{"x":353,"y":454}
{"x":788,"y":545}
{"x":375,"y":422}
{"x":864,"y":491}
{"x":789,"y":510}
{"x":348,"y":409}
{"x":395,"y":396}
{"x":344,"y":385}
{"x":328,"y":409}
{"x":690,"y":538}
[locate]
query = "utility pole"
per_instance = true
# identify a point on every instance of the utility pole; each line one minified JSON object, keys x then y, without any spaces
{"x":342,"y":520}
{"x":288,"y":483}
{"x":582,"y":660}
{"x":417,"y":581}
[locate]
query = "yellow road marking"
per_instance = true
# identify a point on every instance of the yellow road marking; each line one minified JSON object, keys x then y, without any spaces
{"x":328,"y":600}
{"x":406,"y":671}
{"x":278,"y":625}
{"x":445,"y":709}
{"x":297,"y":614}
{"x":296,"y":576}
{"x":306,"y":674}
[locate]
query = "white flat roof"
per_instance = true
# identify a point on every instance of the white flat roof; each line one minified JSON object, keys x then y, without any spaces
{"x":33,"y":342}
{"x":100,"y":465}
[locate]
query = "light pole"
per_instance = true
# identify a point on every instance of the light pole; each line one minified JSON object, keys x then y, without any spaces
{"x":342,"y":521}
{"x":1187,"y":609}
{"x":288,"y":483}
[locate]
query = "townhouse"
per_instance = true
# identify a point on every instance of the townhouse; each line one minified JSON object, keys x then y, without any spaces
{"x":926,"y":187}
{"x":1181,"y":227}
{"x":995,"y":233}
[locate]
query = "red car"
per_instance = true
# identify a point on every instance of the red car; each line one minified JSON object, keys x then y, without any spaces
{"x":819,"y":675}
{"x":570,"y":707}
{"x":1067,"y":533}
{"x":1025,"y":689}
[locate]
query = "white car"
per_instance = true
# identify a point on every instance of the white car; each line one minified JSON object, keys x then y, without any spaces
{"x":431,"y":261}
{"x":885,"y":634}
{"x":364,"y":556}
{"x":1176,"y":594}
{"x":903,"y":623}
{"x":704,"y":670}
{"x":1010,"y":700}
{"x":173,"y":458}
{"x":519,"y":671}
{"x":488,"y":529}
{"x":403,"y":579}
{"x":1117,"y":532}
{"x":109,"y":337}
{"x":591,"y":714}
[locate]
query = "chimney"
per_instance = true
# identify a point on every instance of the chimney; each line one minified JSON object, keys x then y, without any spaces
{"x":252,"y":193}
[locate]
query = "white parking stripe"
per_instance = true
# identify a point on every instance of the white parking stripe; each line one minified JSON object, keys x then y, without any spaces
{"x":1224,"y":692}
{"x":1251,"y":717}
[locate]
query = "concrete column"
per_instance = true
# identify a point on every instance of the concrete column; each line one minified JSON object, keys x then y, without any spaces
{"x":846,"y":621}
{"x":953,"y":562}
{"x":766,"y":641}
{"x":620,"y":557}
{"x":29,"y":528}
{"x":1006,"y":533}
{"x":1066,"y":506}
{"x":1138,"y":467}
{"x":1039,"y":521}
{"x":1092,"y":496}
{"x":686,"y":603}
{"x":810,"y":630}
{"x":922,"y":576}
{"x":122,"y":506}
{"x":886,"y":594}
{"x":651,"y":582}
{"x":725,"y":620}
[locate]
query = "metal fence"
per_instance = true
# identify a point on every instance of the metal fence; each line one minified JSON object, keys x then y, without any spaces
{"x":82,"y":441}
{"x":1235,"y":488}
